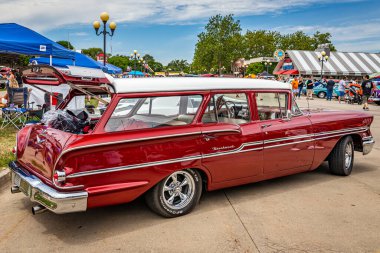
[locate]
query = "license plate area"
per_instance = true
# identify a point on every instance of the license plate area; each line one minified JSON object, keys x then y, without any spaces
{"x":22,"y":184}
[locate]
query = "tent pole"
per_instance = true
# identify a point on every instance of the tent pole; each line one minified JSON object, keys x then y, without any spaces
{"x":51,"y":60}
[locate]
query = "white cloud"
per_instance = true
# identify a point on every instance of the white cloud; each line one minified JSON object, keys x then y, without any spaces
{"x":346,"y":37}
{"x":48,"y":14}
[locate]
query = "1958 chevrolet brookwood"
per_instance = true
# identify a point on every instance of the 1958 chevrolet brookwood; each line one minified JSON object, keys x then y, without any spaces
{"x":172,"y":138}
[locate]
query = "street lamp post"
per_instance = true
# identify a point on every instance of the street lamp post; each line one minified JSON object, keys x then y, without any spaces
{"x":135,"y":56}
{"x":104,"y":17}
{"x":323,"y":58}
{"x":267,"y":64}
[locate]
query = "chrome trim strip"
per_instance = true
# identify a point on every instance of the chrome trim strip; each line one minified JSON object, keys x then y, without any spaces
{"x":221,"y":131}
{"x":133,"y":166}
{"x":286,"y":144}
{"x":237,"y":150}
{"x":337,"y":135}
{"x":289,"y":138}
{"x":341,"y":131}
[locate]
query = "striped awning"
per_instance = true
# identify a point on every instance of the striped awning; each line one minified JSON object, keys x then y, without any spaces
{"x":338,"y":64}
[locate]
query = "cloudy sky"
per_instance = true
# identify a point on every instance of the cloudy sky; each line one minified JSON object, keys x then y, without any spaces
{"x":167,"y":29}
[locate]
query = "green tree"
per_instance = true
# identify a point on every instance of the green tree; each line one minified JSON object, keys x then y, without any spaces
{"x":153,"y":64}
{"x":178,"y":65}
{"x":92,"y":52}
{"x":261,"y":43}
{"x":219,"y":44}
{"x":157,"y":66}
{"x":322,"y":38}
{"x":120,"y":61}
{"x":66,"y":44}
{"x":255,"y":68}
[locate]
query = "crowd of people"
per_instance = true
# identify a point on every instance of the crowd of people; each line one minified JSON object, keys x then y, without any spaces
{"x":365,"y":88}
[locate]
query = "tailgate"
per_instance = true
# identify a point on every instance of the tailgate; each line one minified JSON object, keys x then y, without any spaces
{"x":42,"y":148}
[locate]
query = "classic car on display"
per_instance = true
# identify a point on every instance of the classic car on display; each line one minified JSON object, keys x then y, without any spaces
{"x":170,"y":139}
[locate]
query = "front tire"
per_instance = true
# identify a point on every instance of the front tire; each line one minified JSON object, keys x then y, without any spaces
{"x":341,"y":159}
{"x":322,"y":94}
{"x":176,"y":194}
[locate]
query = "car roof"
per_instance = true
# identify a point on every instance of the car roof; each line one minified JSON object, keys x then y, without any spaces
{"x":131,"y":85}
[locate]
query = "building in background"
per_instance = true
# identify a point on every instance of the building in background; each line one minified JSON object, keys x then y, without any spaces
{"x":338,"y":64}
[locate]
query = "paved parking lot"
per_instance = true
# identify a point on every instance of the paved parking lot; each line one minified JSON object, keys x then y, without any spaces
{"x":308,"y":212}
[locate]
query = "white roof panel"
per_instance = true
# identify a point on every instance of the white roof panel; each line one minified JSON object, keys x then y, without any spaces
{"x":131,"y":85}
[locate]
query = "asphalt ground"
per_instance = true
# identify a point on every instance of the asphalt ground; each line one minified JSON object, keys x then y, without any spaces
{"x":307,"y":212}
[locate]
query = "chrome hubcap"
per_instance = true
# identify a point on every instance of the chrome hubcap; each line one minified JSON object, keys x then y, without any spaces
{"x":348,"y":156}
{"x":178,"y":190}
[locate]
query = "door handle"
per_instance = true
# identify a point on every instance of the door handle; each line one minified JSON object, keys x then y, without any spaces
{"x":265,"y":125}
{"x":208,"y":137}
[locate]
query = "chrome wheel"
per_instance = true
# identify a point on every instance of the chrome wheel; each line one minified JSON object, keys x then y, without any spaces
{"x":348,"y":156}
{"x":178,"y":190}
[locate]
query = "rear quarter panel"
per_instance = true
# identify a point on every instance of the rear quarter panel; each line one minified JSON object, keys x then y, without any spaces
{"x":330,"y":126}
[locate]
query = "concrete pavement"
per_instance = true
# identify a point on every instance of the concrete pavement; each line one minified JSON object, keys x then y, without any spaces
{"x":308,"y":212}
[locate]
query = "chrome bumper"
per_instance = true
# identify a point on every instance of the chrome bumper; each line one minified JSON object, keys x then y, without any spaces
{"x":368,"y":143}
{"x":37,"y":191}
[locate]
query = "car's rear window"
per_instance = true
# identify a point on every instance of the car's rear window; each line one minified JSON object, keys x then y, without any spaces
{"x":153,"y":112}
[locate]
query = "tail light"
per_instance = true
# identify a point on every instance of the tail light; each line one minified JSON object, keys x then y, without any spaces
{"x":59,"y":176}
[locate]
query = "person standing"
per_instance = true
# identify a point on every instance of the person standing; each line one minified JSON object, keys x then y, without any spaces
{"x":341,"y":88}
{"x":295,"y":86}
{"x":330,"y":87}
{"x":309,"y":89}
{"x":367,"y":88}
{"x":300,"y":86}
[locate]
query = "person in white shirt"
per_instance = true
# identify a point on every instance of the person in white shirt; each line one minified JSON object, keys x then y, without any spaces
{"x":341,"y":88}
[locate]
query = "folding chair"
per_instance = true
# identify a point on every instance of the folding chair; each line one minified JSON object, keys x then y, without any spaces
{"x":16,"y":113}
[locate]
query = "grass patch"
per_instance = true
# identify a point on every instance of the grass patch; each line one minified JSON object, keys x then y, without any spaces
{"x":7,"y":142}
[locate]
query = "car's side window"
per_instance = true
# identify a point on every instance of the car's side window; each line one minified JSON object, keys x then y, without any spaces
{"x":271,"y":105}
{"x":153,"y":112}
{"x":227,"y":108}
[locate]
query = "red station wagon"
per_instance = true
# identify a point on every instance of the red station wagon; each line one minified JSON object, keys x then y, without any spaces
{"x":172,"y":138}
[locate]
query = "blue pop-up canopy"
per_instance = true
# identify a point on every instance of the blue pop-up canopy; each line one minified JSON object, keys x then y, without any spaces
{"x":17,"y":39}
{"x":81,"y":60}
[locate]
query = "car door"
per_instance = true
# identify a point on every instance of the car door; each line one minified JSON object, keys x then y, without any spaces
{"x":288,"y":142}
{"x":231,"y":144}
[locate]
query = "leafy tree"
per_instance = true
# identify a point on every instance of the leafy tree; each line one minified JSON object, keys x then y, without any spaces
{"x":178,"y":65}
{"x":120,"y":61}
{"x":92,"y":52}
{"x":66,"y":44}
{"x":255,"y":68}
{"x":323,"y":38}
{"x":155,"y":66}
{"x":219,"y":44}
{"x":261,"y":43}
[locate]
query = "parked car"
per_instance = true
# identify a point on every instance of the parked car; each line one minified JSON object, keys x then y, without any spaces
{"x":320,"y":90}
{"x":149,"y":141}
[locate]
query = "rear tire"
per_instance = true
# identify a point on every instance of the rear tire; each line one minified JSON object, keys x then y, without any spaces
{"x":341,"y":159}
{"x":377,"y":102}
{"x":176,"y":194}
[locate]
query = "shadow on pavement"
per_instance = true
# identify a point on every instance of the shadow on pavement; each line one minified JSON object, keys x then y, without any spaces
{"x":101,"y":223}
